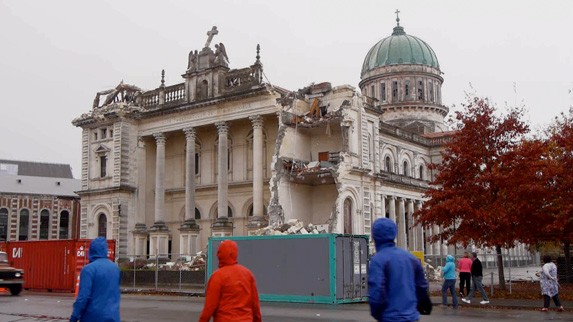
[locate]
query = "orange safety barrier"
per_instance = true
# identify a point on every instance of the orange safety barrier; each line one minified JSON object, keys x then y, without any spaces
{"x":77,"y":288}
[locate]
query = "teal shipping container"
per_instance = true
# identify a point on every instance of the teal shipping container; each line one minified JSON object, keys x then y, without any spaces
{"x":320,"y":268}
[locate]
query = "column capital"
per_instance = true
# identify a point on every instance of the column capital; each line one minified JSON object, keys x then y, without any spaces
{"x":257,"y":121}
{"x":222,"y":127}
{"x":159,"y":138}
{"x":141,"y":142}
{"x":190,"y":133}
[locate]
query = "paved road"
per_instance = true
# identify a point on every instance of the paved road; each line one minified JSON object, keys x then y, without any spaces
{"x":141,"y":308}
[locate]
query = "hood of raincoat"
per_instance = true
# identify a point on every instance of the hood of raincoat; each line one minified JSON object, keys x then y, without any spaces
{"x":450,"y":258}
{"x":228,"y":253}
{"x":98,"y":249}
{"x":384,"y":232}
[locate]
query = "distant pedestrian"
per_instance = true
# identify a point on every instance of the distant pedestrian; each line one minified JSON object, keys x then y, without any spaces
{"x":397,"y":287}
{"x":465,"y":269}
{"x":99,"y":295}
{"x":477,"y":277}
{"x":549,"y":284}
{"x":449,"y":273}
{"x":231,"y":294}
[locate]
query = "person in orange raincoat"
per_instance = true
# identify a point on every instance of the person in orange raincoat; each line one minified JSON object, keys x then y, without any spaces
{"x":232,"y":294}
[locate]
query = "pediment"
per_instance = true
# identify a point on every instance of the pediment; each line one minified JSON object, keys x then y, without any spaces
{"x":102,"y":149}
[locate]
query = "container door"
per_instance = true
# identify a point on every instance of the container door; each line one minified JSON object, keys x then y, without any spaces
{"x":352,"y":268}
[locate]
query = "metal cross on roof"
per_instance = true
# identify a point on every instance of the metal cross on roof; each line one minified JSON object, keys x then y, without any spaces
{"x":211,"y":33}
{"x":397,"y":17}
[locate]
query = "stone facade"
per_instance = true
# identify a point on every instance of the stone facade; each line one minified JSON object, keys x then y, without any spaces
{"x":225,"y":153}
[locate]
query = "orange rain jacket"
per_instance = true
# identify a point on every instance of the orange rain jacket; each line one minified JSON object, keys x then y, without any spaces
{"x":231,"y":291}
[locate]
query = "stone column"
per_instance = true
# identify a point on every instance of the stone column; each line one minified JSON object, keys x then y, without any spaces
{"x":382,"y":213}
{"x":140,"y":231}
{"x":257,"y":220}
{"x":411,"y":240}
{"x":160,"y":178}
{"x":401,"y":221}
{"x":190,"y":174}
{"x":159,"y":233}
{"x":222,"y":225}
{"x":189,"y":230}
{"x":437,"y":245}
{"x":392,"y":208}
{"x":419,"y":232}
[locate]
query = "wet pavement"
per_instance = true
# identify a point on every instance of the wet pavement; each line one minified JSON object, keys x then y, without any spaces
{"x":148,"y":308}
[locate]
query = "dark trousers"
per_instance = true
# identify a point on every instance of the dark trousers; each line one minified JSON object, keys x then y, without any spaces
{"x":449,"y":285}
{"x":547,"y":300}
{"x":465,"y":279}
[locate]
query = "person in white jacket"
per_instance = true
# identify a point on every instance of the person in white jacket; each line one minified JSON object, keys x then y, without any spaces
{"x":549,"y":284}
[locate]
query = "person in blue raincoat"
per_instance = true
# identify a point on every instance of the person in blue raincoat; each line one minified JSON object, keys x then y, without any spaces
{"x":449,"y":274}
{"x":398,"y":290}
{"x":99,"y":294}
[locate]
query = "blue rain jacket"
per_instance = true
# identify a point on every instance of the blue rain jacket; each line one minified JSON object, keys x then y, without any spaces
{"x":449,"y":270}
{"x":99,"y":294}
{"x":395,"y":277}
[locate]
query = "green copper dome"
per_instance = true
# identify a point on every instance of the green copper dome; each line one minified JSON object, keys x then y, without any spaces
{"x":398,"y":49}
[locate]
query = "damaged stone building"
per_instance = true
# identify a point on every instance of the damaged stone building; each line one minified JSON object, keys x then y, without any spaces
{"x":224,"y":152}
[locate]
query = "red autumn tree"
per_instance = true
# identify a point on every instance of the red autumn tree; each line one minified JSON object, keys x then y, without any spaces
{"x":469,"y":196}
{"x":558,"y":219}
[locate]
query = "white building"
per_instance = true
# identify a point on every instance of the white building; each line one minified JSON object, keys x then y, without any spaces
{"x":337,"y":156}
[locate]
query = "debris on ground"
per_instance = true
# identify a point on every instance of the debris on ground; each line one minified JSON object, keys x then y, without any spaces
{"x":291,"y":227}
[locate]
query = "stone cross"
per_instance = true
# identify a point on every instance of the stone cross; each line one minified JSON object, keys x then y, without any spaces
{"x":211,"y":34}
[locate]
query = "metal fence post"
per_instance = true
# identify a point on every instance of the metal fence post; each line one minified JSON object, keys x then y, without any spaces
{"x":491,"y":285}
{"x":134,"y":259}
{"x":509,"y":268}
{"x":156,"y":267}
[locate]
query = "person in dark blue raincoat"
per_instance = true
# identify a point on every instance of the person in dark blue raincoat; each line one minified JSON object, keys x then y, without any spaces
{"x":99,"y":294}
{"x":397,"y":287}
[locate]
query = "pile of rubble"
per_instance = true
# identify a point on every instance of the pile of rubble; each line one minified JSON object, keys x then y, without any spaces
{"x":432,"y":274}
{"x":291,"y":227}
{"x":195,"y":262}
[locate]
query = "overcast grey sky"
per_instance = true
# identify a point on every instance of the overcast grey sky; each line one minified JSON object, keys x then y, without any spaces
{"x":55,"y":55}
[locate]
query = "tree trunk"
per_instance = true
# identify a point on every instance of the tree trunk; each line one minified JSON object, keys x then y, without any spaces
{"x":567,"y":252}
{"x":500,"y":267}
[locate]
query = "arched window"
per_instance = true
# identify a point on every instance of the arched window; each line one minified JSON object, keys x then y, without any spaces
{"x":421,"y":172}
{"x":250,"y":211}
{"x":203,"y":91}
{"x":197,"y":214}
{"x":24,"y":224}
{"x":406,"y":169}
{"x":3,"y":224}
{"x":63,"y":229}
{"x":388,"y":164}
{"x":197,"y":158}
{"x":44,"y":224}
{"x":229,"y":212}
{"x":102,"y":225}
{"x":347,"y":216}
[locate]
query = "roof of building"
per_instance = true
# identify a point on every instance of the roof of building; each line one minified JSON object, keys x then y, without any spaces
{"x":18,"y":184}
{"x":399,"y":49}
{"x":36,"y":169}
{"x":438,"y":134}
